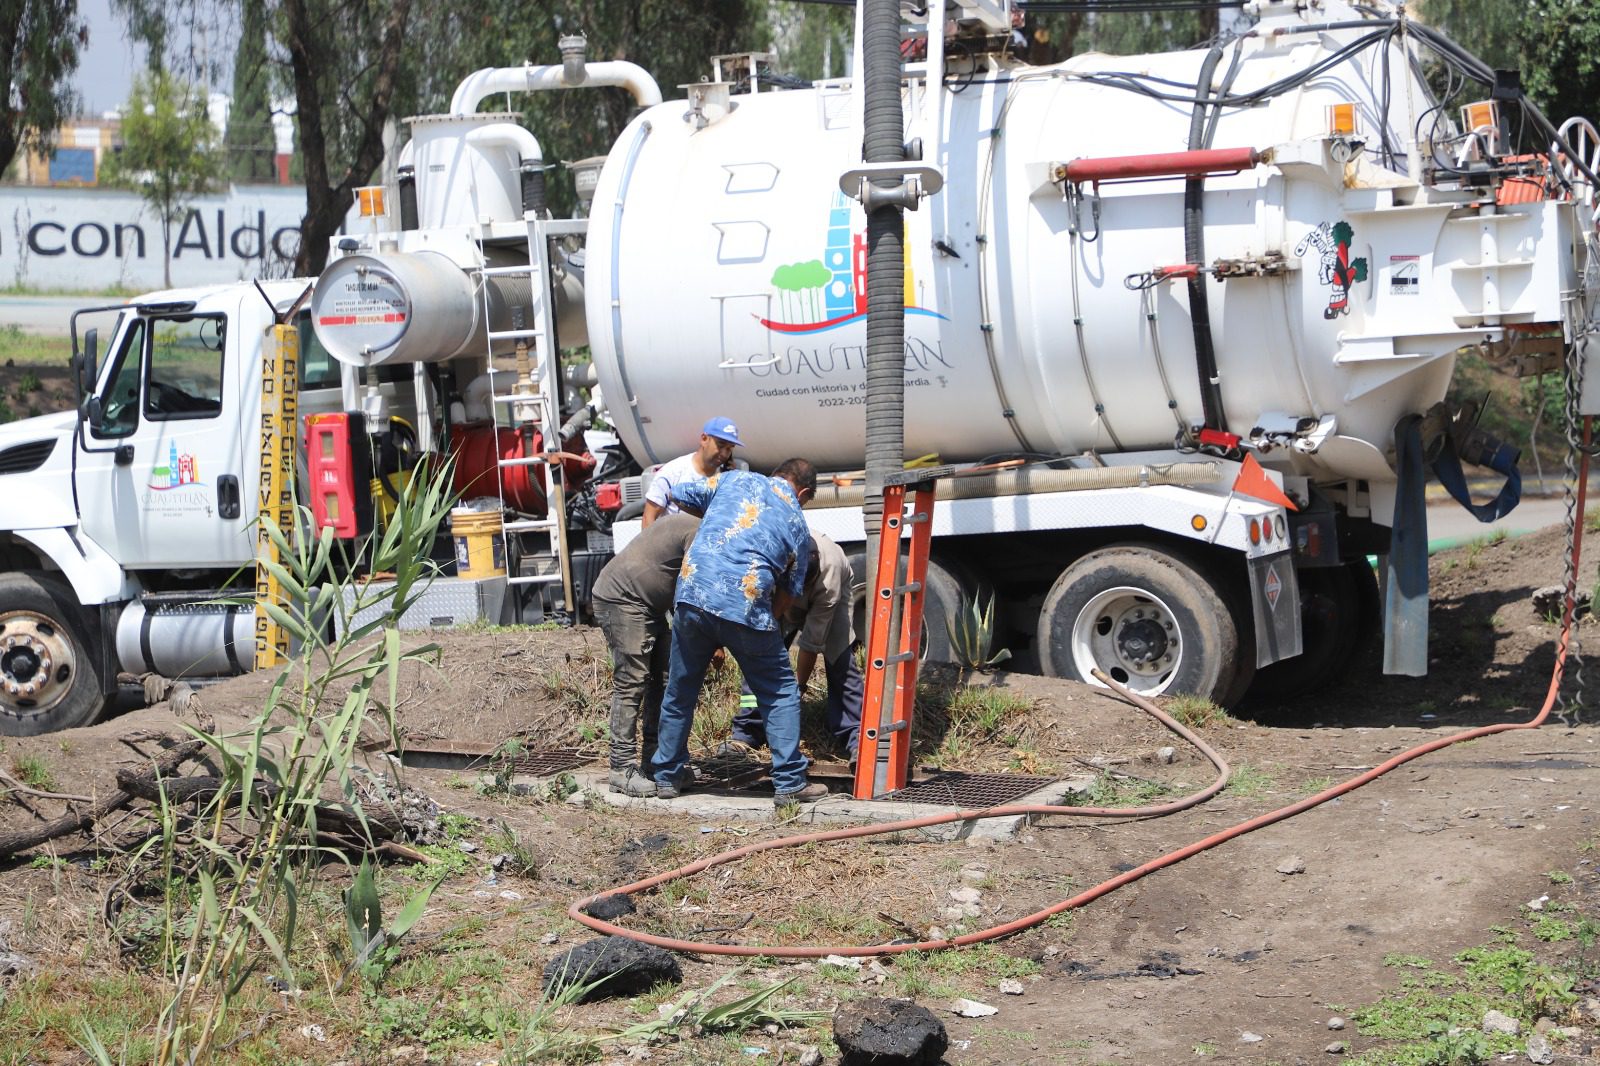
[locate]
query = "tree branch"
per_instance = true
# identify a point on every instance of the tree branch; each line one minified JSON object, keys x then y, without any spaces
{"x":32,"y":837}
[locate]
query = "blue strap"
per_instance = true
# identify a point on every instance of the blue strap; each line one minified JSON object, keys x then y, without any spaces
{"x":1482,"y":450}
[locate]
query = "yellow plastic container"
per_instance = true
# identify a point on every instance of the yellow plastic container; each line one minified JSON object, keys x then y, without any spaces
{"x":480,"y":550}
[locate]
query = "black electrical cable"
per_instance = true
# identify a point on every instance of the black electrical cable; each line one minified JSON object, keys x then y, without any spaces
{"x":1205,"y":352}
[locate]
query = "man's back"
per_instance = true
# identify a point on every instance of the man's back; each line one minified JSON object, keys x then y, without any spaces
{"x":645,"y":573}
{"x":752,"y":541}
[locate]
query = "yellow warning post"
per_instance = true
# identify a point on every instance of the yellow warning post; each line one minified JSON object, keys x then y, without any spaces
{"x":280,"y":380}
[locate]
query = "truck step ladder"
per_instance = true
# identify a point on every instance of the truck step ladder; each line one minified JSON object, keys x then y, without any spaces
{"x":534,"y":403}
{"x":883,"y":756}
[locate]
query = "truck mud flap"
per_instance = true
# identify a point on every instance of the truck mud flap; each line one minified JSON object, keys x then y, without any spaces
{"x":1275,"y":603}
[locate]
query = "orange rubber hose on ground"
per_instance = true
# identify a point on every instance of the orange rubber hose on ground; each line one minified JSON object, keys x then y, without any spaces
{"x":575,"y":911}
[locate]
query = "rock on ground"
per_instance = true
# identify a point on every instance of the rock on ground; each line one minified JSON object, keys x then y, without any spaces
{"x":888,"y":1032}
{"x":607,"y":908}
{"x":1497,"y":1022}
{"x":622,"y":967}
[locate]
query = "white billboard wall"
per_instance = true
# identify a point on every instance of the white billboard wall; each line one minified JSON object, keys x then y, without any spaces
{"x":85,"y":240}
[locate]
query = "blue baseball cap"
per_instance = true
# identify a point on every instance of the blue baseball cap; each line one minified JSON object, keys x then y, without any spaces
{"x":723,"y":429}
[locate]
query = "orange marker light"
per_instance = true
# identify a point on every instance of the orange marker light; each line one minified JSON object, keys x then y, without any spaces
{"x":1198,"y":523}
{"x":1342,"y":119}
{"x":369,"y":199}
{"x":1485,"y":114}
{"x":1255,"y":531}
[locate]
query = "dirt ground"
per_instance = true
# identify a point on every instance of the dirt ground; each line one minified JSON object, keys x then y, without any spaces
{"x":1225,"y":957}
{"x":27,"y":391}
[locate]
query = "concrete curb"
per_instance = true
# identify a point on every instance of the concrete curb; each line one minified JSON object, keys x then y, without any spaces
{"x":757,"y":807}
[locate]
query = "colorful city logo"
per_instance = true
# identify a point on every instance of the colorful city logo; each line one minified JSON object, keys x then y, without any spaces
{"x":180,"y":470}
{"x":1338,"y":270}
{"x":817,"y":295}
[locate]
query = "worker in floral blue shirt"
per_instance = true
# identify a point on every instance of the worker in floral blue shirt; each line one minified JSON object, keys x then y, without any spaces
{"x":746,"y":565}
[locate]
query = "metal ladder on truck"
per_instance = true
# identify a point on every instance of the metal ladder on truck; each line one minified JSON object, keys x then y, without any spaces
{"x":534,"y":402}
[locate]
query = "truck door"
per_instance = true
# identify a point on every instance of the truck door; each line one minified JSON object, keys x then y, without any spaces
{"x":159,"y":471}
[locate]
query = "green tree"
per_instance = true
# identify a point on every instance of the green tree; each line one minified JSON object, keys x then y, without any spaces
{"x":249,"y":139}
{"x":168,"y":151}
{"x":813,"y":41}
{"x":671,"y":40}
{"x":1554,"y":43}
{"x":346,"y":69}
{"x":39,"y":45}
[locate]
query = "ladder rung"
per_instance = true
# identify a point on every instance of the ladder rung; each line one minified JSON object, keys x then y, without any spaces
{"x":526,"y":460}
{"x":900,"y":657}
{"x":520,"y":397}
{"x":507,"y":271}
{"x":893,"y":727}
{"x":528,"y":525}
{"x":515,"y":334}
{"x":914,"y":519}
{"x":534,"y":579}
{"x":909,"y":586}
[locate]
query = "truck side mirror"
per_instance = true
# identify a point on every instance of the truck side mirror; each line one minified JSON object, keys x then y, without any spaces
{"x":85,"y":364}
{"x":94,"y":411}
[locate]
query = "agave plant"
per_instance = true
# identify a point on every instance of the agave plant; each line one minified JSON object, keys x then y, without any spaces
{"x":972,"y":635}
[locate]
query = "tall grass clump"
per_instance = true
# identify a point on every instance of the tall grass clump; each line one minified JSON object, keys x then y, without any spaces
{"x":234,"y":872}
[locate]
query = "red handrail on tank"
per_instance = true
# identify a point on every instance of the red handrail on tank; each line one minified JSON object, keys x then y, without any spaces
{"x":1159,"y":165}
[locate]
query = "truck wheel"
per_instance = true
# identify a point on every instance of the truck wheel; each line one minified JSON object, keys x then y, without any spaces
{"x":941,"y":599}
{"x":49,"y":672}
{"x":1148,"y":619}
{"x":1338,"y":615}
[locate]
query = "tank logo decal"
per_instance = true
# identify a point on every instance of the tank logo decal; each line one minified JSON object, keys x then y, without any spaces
{"x":1338,"y":271}
{"x":817,"y":295}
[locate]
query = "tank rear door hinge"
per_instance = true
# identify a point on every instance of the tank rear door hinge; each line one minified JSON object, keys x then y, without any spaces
{"x":1268,"y":265}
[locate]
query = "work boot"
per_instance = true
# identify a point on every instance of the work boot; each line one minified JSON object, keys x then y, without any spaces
{"x":631,"y":782}
{"x":810,"y":794}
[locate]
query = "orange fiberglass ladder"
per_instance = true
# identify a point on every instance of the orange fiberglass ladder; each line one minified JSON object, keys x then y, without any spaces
{"x":883,"y":756}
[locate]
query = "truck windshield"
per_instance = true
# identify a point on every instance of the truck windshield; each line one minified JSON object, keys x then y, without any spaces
{"x":119,"y":400}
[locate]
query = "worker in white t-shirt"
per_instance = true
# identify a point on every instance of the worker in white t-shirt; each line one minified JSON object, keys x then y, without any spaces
{"x":718,"y":438}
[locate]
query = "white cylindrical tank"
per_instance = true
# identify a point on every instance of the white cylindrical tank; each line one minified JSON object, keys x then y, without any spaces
{"x":726,"y":271}
{"x":395,"y":307}
{"x":469,"y":168}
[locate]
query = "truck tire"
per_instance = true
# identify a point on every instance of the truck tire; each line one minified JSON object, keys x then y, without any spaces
{"x":942,"y":595}
{"x":1148,"y":619}
{"x":49,"y":671}
{"x":1338,"y":616}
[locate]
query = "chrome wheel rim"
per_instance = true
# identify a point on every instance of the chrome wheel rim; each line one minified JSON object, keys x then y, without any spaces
{"x":37,"y":663}
{"x":1132,"y":636}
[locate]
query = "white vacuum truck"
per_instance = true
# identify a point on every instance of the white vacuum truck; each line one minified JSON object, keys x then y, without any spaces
{"x":1205,"y":304}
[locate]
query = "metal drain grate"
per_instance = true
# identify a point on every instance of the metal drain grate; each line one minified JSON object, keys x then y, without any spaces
{"x":970,"y":791}
{"x":551,"y":761}
{"x":476,"y":755}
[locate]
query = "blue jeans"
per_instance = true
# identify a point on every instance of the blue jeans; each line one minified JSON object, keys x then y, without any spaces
{"x":763,"y":659}
{"x":842,"y":719}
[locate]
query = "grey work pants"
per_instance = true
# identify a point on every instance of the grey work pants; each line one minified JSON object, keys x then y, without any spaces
{"x":640,"y":644}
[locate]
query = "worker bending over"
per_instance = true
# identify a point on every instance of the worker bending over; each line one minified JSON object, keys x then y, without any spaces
{"x":819,"y":623}
{"x":718,"y":438}
{"x":746,"y":566}
{"x":632,"y":599}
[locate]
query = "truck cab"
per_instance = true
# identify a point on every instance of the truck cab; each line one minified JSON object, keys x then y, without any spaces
{"x":128,"y":519}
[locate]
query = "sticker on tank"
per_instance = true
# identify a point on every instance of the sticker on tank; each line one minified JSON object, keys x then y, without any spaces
{"x":1337,"y":270}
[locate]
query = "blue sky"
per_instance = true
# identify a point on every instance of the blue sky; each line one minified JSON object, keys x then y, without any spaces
{"x":106,"y":68}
